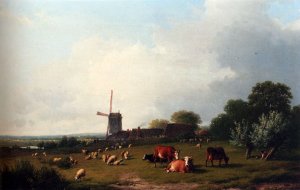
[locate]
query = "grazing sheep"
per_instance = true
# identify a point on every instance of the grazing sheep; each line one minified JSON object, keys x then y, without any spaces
{"x":118,"y":162}
{"x":56,"y":159}
{"x":106,"y":149}
{"x":80,"y":174}
{"x":84,"y":151}
{"x":45,"y":154}
{"x":105,"y":157}
{"x":125,"y":154}
{"x":120,"y":147}
{"x":94,"y":155}
{"x":111,"y":159}
{"x":198,"y":145}
{"x":35,"y":154}
{"x":88,"y":157}
{"x":130,"y":145}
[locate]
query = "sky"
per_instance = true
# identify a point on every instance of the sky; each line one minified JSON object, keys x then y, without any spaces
{"x":60,"y":59}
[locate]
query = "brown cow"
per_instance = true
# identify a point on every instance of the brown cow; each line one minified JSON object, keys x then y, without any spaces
{"x":165,"y":152}
{"x":183,"y":166}
{"x":216,"y":154}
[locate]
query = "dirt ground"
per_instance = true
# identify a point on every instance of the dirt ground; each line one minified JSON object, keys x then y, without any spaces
{"x":131,"y":181}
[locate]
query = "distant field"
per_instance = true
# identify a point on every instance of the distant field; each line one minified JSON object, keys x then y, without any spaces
{"x":137,"y":173}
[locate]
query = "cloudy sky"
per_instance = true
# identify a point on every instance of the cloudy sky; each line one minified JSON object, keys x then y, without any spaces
{"x":60,"y":59}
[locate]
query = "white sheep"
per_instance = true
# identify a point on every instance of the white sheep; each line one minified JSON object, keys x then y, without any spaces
{"x":80,"y":174}
{"x":111,"y":159}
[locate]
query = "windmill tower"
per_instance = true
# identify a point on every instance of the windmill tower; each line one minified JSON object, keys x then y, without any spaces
{"x":114,"y":119}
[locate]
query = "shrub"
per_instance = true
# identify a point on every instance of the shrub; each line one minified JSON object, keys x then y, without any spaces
{"x":24,"y":176}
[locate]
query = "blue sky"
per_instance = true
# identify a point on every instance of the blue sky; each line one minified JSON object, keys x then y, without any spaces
{"x":61,"y":59}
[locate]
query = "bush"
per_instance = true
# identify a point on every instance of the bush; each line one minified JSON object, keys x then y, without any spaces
{"x":24,"y":176}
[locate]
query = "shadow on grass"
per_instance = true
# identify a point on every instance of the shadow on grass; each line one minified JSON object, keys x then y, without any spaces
{"x":226,"y":166}
{"x":285,"y":177}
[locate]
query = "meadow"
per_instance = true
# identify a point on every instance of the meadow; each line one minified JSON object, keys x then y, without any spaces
{"x":136,"y":173}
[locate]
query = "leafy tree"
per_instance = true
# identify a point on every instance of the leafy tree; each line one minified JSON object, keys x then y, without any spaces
{"x":63,"y":142}
{"x":186,"y":117}
{"x":293,"y":140}
{"x":268,"y":96}
{"x":241,"y":135}
{"x":41,"y":144}
{"x":220,"y":126}
{"x":237,"y":110}
{"x":158,"y":123}
{"x":72,"y":141}
{"x":270,"y":133}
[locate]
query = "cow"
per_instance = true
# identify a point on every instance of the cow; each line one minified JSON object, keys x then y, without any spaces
{"x":216,"y":154}
{"x":80,"y":174}
{"x":183,"y":166}
{"x":165,"y":152}
{"x":149,"y":157}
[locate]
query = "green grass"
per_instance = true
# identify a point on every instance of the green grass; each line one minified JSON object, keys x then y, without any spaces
{"x":239,"y":173}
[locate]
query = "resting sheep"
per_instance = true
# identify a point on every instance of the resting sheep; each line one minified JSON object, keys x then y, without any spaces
{"x":56,"y":159}
{"x":118,"y":162}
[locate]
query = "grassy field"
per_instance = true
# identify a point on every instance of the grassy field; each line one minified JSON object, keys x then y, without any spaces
{"x":239,"y":173}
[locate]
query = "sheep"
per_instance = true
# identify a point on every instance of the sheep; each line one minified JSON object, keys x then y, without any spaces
{"x":99,"y":150}
{"x":35,"y":154}
{"x":88,"y":157}
{"x":106,"y":149}
{"x":111,"y":159}
{"x":56,"y":159}
{"x":94,"y":155}
{"x":130,"y":145}
{"x":125,"y":155}
{"x":120,"y":147}
{"x":80,"y":174}
{"x":84,"y":151}
{"x":198,"y":145}
{"x":105,"y":157}
{"x":45,"y":154}
{"x":118,"y":162}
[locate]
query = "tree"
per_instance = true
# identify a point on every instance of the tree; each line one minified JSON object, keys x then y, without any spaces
{"x":270,"y":133}
{"x":186,"y":117}
{"x":158,"y":123}
{"x":293,"y":140}
{"x":237,"y":110}
{"x":241,"y":135}
{"x":220,"y":126}
{"x":268,"y":96}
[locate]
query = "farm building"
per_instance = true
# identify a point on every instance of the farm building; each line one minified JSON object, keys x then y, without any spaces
{"x":173,"y":130}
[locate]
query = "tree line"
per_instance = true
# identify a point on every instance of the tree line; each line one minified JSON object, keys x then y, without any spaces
{"x":266,"y":121}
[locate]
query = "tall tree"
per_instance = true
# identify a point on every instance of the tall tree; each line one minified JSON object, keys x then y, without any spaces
{"x":241,"y":135}
{"x":186,"y":117}
{"x":220,"y":126}
{"x":271,"y":132}
{"x":268,"y":96}
{"x":237,"y":110}
{"x":158,"y":123}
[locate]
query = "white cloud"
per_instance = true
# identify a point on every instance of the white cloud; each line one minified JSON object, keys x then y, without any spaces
{"x":195,"y":64}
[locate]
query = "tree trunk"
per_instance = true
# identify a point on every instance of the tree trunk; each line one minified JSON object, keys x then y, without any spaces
{"x":271,"y":153}
{"x":249,"y":149}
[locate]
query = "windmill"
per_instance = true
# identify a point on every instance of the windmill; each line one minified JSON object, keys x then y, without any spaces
{"x":114,"y":119}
